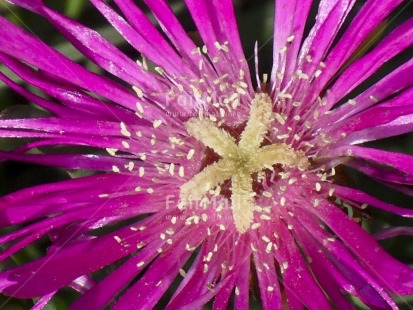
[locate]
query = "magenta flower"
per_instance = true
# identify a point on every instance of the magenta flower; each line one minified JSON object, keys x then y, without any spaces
{"x":204,"y":179}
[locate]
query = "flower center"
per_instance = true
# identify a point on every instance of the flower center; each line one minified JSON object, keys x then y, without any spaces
{"x":238,"y":161}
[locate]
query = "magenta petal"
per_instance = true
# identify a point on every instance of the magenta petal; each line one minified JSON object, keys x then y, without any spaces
{"x":299,"y":283}
{"x":290,"y":17}
{"x":69,"y":161}
{"x":193,"y":290}
{"x":37,"y":208}
{"x":216,"y":22}
{"x":156,"y":280}
{"x":17,"y":43}
{"x":96,"y":48}
{"x":352,"y":194}
{"x":239,"y":286}
{"x":393,"y":275}
{"x":228,"y":24}
{"x":172,"y":28}
{"x":142,"y":36}
{"x":361,"y":69}
{"x":101,"y":134}
{"x":401,"y":125}
{"x":384,"y":175}
{"x":398,"y":79}
{"x":37,"y":6}
{"x":102,"y":52}
{"x":372,"y":13}
{"x":117,"y":280}
{"x":380,"y":114}
{"x":331,"y":15}
{"x":72,"y":97}
{"x":44,"y":103}
{"x":222,"y":270}
{"x":49,"y":275}
{"x":393,"y":232}
{"x":223,"y":296}
{"x":42,"y":302}
{"x":267,"y":277}
{"x":397,"y":161}
{"x":90,"y":215}
{"x":355,"y":278}
{"x":61,"y":125}
{"x":329,"y":277}
{"x":242,"y":285}
{"x":48,"y":191}
{"x":207,"y":24}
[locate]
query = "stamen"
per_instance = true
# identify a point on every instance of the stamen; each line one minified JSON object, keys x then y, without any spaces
{"x":239,"y":162}
{"x":242,"y":201}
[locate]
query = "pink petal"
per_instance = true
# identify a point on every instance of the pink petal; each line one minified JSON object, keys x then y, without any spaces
{"x":351,"y":194}
{"x":390,"y":273}
{"x":45,"y":275}
{"x":25,"y":47}
{"x":141,"y":34}
{"x":369,"y":17}
{"x":117,"y":280}
{"x":290,"y":17}
{"x":393,"y":44}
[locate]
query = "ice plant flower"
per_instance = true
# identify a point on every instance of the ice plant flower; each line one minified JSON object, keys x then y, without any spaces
{"x":204,"y":179}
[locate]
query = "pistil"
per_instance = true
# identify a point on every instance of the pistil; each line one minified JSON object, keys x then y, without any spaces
{"x":239,"y":161}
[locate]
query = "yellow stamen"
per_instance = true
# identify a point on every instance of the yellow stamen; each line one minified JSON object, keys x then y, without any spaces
{"x":239,"y":162}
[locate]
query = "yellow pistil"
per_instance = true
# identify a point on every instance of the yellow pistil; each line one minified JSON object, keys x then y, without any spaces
{"x":239,"y":162}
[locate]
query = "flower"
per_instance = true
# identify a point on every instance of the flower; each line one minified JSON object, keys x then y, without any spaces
{"x":204,"y":179}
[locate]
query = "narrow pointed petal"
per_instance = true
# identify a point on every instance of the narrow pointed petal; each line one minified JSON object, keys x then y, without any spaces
{"x":142,"y":36}
{"x":23,"y":46}
{"x":290,"y":17}
{"x":242,"y":287}
{"x":267,"y":279}
{"x":150,"y":288}
{"x":216,"y":22}
{"x":392,"y":274}
{"x":370,"y":16}
{"x":380,"y":114}
{"x":352,"y":194}
{"x":397,"y":161}
{"x":361,"y":69}
{"x":117,"y":280}
{"x":331,"y":15}
{"x":297,"y":279}
{"x":397,"y":80}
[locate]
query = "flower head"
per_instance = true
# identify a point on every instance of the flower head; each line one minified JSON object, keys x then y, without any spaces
{"x":203,"y":178}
